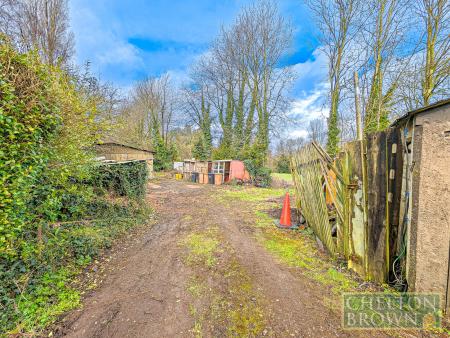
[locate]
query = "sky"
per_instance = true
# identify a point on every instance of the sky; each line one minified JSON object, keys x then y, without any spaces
{"x":125,"y":41}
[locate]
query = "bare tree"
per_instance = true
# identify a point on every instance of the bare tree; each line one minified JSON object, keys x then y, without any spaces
{"x":241,"y":79}
{"x":317,"y":131}
{"x":435,"y":16}
{"x":385,"y":31}
{"x":337,"y":23}
{"x":150,"y":109}
{"x":41,"y":25}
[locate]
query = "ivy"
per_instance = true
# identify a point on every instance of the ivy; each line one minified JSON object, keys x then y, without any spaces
{"x":56,"y":208}
{"x":124,"y":179}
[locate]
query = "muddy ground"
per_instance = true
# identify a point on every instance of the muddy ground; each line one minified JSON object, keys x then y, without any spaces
{"x":199,"y":271}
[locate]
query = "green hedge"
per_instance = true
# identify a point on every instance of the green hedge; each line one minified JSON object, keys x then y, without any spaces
{"x":53,"y":218}
{"x":124,"y":179}
{"x":28,"y":121}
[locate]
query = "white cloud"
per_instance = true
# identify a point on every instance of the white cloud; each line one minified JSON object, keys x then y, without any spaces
{"x":179,"y":78}
{"x":310,"y":104}
{"x":103,"y":47}
{"x":299,"y":133}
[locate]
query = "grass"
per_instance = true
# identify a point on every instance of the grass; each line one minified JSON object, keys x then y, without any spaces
{"x":196,"y":287}
{"x":283,"y":177}
{"x":263,"y":220}
{"x":226,"y":299}
{"x":253,"y":194}
{"x":296,"y":249}
{"x":202,"y":248}
{"x":239,"y":309}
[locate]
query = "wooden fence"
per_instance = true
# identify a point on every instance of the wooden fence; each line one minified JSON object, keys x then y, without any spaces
{"x":359,"y":192}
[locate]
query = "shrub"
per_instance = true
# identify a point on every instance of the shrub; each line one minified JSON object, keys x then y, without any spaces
{"x":260,"y":176}
{"x":283,"y":164}
{"x":124,"y":179}
{"x":28,"y":121}
{"x":51,"y":219}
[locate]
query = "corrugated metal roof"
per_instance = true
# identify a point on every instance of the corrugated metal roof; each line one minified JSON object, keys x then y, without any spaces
{"x":421,"y":110}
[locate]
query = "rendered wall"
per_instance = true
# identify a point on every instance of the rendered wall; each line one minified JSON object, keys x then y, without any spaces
{"x":429,"y":233}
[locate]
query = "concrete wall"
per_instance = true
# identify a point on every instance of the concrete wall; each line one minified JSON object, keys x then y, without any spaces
{"x":123,"y":153}
{"x":429,"y":233}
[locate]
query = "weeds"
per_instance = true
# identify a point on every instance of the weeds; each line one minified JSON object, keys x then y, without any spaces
{"x":233,"y":305}
{"x":202,"y":248}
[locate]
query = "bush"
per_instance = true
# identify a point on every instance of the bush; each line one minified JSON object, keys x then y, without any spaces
{"x":28,"y":121}
{"x":260,"y":176}
{"x":283,"y":164}
{"x":124,"y":179}
{"x":51,"y":219}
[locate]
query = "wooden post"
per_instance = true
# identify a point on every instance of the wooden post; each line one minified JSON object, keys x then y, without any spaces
{"x":360,"y":138}
{"x":359,"y":133}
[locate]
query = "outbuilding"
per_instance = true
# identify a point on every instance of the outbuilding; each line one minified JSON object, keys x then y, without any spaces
{"x":120,"y":152}
{"x":425,"y":198}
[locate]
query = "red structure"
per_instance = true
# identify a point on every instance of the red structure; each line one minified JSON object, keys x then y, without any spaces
{"x":229,"y":169}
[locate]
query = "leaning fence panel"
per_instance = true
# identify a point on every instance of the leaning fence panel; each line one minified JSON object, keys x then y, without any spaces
{"x":308,"y":173}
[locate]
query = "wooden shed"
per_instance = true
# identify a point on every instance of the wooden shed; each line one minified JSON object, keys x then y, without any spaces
{"x":119,"y":152}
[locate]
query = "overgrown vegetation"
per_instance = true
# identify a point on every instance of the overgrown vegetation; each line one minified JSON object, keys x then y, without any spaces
{"x":53,"y":219}
{"x":283,"y":164}
{"x":259,"y":175}
{"x":124,"y":179}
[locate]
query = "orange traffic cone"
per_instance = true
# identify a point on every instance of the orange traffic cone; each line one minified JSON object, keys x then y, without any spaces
{"x":285,"y":219}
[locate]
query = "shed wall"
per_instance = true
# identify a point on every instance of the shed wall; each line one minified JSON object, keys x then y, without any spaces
{"x":429,"y":236}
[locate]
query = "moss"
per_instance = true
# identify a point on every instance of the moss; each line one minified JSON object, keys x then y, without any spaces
{"x":202,"y":248}
{"x":233,"y":305}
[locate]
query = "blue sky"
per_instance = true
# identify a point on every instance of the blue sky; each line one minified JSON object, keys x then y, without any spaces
{"x":128,"y":40}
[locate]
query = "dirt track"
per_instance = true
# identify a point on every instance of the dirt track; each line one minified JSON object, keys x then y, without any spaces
{"x":145,"y":293}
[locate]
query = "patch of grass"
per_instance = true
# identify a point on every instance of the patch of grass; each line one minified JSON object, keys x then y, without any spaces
{"x":196,"y":287}
{"x":197,"y":329}
{"x":253,"y":194}
{"x":240,"y":309}
{"x":263,"y":220}
{"x":202,"y":247}
{"x":283,"y":177}
{"x":299,"y":251}
{"x":338,"y":281}
{"x":50,"y":298}
{"x":246,"y":316}
{"x":233,"y":304}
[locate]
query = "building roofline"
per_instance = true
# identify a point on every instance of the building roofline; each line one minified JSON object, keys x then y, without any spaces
{"x":126,"y":146}
{"x":420,"y":110}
